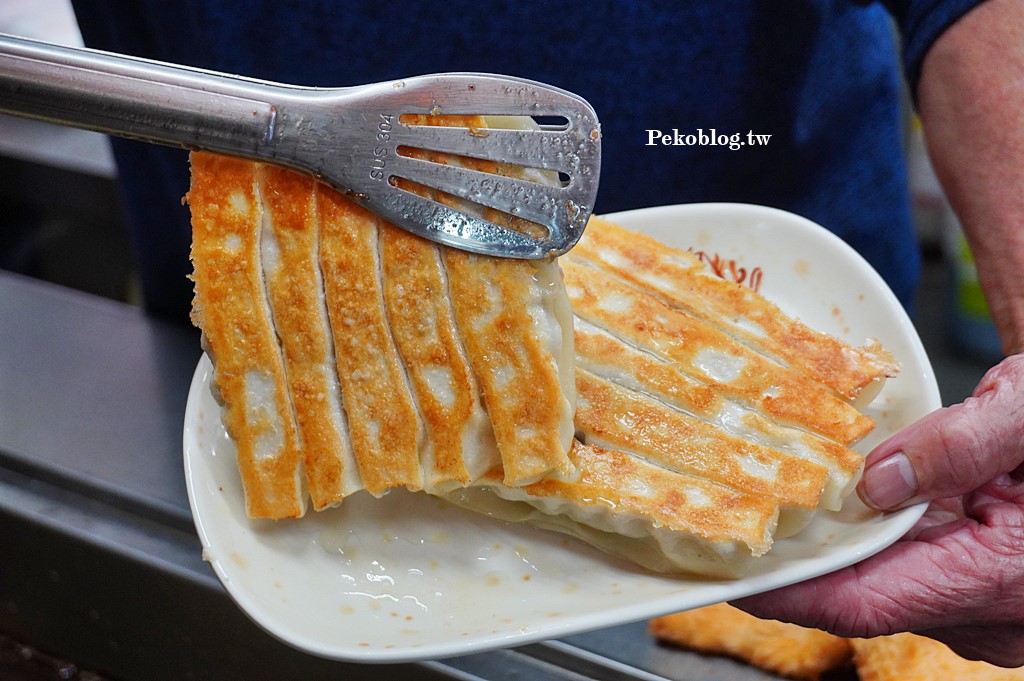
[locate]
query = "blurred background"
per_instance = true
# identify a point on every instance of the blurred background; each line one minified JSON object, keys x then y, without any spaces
{"x":61,"y":221}
{"x":60,"y":216}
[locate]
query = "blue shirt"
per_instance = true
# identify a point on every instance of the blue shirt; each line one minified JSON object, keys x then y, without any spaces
{"x":820,"y":78}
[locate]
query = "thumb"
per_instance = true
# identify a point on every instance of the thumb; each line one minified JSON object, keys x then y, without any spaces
{"x":954,"y":450}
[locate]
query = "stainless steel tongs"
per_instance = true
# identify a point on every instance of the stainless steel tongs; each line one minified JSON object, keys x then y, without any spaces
{"x":356,"y":139}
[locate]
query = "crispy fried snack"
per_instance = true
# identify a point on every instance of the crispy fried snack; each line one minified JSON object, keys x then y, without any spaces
{"x":786,"y":649}
{"x":350,"y":355}
{"x":909,"y":657}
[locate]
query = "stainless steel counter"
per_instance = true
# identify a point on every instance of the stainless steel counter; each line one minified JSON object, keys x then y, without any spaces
{"x":99,"y":561}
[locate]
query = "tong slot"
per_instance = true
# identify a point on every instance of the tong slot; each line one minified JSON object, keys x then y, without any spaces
{"x":375,"y":142}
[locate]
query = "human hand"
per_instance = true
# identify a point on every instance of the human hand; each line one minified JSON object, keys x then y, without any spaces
{"x":958,"y":575}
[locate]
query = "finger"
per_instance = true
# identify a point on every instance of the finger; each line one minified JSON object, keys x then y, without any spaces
{"x":1018,"y":473}
{"x":953,"y":450}
{"x":885,"y":594}
{"x":997,"y":503}
{"x":940,"y":513}
{"x":936,"y":532}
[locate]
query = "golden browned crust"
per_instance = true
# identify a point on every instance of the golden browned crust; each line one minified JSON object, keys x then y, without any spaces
{"x":604,"y":355}
{"x":416,"y":293}
{"x":643,"y":320}
{"x":383,"y":422}
{"x":601,"y":353}
{"x":786,"y":649}
{"x":295,"y":291}
{"x":519,"y":381}
{"x":501,"y":340}
{"x":682,"y":280}
{"x":231,"y":309}
{"x":409,"y":338}
{"x":910,"y":657}
{"x":627,"y":420}
{"x":669,"y":500}
{"x":351,"y":323}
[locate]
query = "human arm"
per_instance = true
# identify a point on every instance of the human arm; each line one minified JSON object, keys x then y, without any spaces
{"x":971,"y":102}
{"x":959,"y":575}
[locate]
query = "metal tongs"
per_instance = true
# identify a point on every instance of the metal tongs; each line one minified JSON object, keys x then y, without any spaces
{"x":361,"y":140}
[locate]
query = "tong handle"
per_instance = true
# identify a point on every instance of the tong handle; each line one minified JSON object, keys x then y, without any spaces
{"x":347,"y":137}
{"x":135,"y":98}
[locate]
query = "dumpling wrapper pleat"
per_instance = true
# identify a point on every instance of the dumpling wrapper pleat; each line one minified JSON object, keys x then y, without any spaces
{"x":290,"y":246}
{"x":682,"y":280}
{"x":459,"y":445}
{"x":709,"y":355}
{"x":383,"y":420}
{"x":663,"y":520}
{"x":231,"y":309}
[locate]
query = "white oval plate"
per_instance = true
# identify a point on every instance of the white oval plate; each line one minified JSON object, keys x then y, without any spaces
{"x":409,"y":577}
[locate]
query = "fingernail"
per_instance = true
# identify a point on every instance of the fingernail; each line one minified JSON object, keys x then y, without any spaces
{"x":889,"y":482}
